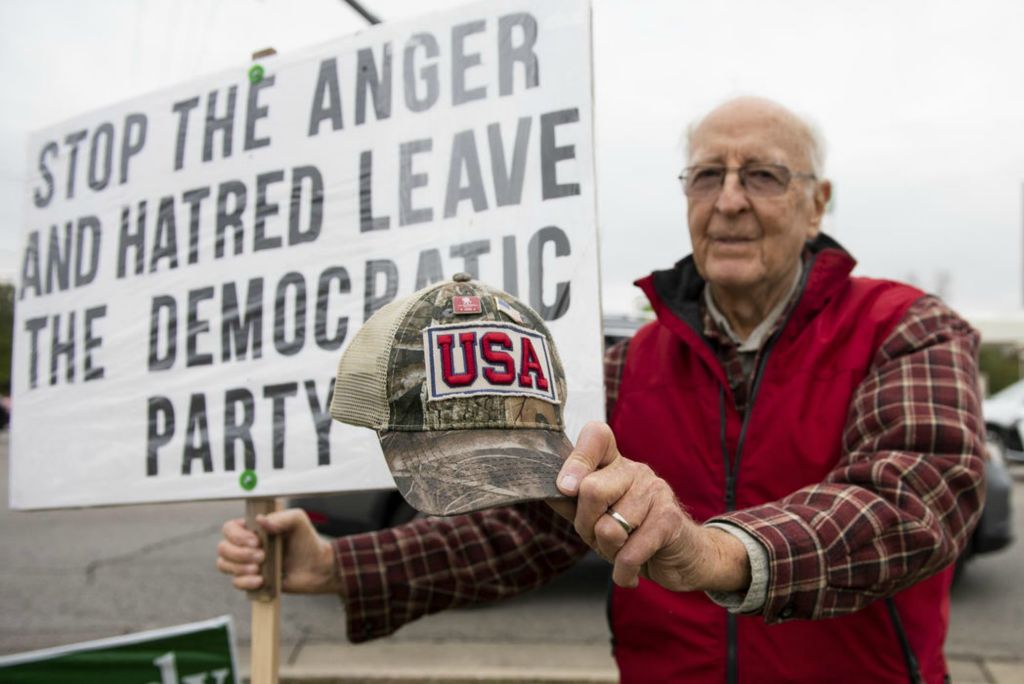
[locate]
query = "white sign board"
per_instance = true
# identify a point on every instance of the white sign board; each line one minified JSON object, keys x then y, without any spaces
{"x":195,"y":260}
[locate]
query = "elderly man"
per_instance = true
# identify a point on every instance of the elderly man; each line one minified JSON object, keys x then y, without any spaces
{"x":787,"y":443}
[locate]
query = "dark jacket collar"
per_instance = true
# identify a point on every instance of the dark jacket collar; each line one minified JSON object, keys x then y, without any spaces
{"x":678,"y":289}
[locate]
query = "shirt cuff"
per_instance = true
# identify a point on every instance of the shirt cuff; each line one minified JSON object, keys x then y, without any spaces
{"x":753,"y":600}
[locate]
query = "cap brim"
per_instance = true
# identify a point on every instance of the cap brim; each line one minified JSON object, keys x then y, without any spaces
{"x":458,"y":471}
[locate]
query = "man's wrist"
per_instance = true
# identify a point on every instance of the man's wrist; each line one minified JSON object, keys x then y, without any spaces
{"x":752,"y":599}
{"x":328,"y":565}
{"x":729,"y":566}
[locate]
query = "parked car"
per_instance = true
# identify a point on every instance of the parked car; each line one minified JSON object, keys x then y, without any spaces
{"x":336,"y":515}
{"x":350,"y":513}
{"x":995,"y":528}
{"x":1004,"y":420}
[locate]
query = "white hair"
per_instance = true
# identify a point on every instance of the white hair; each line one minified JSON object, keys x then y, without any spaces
{"x":815,"y":145}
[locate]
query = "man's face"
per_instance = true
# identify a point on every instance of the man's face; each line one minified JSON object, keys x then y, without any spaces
{"x":746,"y":245}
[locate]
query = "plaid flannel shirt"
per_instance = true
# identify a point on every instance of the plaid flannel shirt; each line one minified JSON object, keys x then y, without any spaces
{"x":899,"y":506}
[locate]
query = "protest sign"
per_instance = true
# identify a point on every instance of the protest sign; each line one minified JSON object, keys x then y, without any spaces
{"x":195,"y":260}
{"x":196,"y":653}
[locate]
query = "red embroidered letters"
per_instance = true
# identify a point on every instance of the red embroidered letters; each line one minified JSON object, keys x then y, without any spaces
{"x":487,"y":358}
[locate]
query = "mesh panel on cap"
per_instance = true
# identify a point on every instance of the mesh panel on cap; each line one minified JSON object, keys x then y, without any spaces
{"x":360,"y":390}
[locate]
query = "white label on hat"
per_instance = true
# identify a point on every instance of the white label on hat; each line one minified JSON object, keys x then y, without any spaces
{"x":487,"y":358}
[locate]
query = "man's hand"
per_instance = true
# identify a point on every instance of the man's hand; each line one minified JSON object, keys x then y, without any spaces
{"x":308,"y":561}
{"x":666,"y":545}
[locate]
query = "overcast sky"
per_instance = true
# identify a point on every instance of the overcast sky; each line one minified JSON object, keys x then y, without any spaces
{"x":922,"y":103}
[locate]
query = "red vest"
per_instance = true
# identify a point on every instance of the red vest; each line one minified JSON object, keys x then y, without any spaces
{"x":673,"y":405}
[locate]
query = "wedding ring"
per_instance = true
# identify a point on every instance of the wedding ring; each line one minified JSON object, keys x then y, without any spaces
{"x":622,"y":521}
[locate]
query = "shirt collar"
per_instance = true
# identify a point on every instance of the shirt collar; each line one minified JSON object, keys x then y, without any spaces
{"x":759,"y":334}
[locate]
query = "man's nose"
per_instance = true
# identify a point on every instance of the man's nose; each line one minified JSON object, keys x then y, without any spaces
{"x":732,"y":198}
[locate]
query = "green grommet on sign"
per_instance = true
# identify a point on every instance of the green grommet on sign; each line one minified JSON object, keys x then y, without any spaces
{"x":248,"y":480}
{"x":255,"y":73}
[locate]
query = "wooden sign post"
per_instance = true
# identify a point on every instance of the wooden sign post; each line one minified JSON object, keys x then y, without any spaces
{"x":266,"y":601}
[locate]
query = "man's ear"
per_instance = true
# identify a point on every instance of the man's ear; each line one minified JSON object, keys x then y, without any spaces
{"x":819,"y":203}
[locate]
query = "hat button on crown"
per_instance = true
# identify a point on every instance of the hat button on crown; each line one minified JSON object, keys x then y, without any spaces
{"x":462,"y":277}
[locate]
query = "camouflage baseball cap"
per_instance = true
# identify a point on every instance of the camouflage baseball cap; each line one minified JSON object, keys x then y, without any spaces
{"x":465,"y":389}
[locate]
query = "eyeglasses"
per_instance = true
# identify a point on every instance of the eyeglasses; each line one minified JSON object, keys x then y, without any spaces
{"x":758,"y":180}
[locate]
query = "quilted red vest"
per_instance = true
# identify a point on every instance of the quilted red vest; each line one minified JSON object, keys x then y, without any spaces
{"x":673,"y":408}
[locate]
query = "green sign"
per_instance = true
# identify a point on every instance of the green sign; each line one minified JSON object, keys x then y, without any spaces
{"x":197,"y":653}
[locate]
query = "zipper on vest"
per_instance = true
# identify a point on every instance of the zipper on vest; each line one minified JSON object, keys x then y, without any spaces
{"x":913,"y":669}
{"x":731,"y":656}
{"x":730,"y":477}
{"x":732,"y":466}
